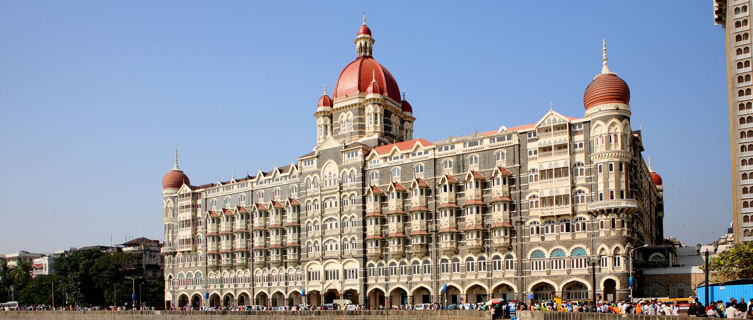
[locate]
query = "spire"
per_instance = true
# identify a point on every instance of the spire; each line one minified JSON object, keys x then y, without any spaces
{"x":325,"y":89}
{"x":176,"y":160}
{"x":649,"y":165}
{"x":364,"y":18}
{"x":604,"y":68}
{"x":403,"y":95}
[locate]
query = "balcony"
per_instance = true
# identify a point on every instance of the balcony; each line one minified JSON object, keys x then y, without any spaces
{"x":241,"y":245}
{"x":501,"y":244}
{"x":212,"y":263}
{"x":627,"y":205}
{"x":275,"y":241}
{"x":275,"y":259}
{"x":474,"y":245}
{"x":260,"y":223}
{"x":551,"y":211}
{"x":396,"y":251}
{"x":448,"y":247}
{"x":293,"y":258}
{"x":331,"y":254}
{"x":241,"y":262}
{"x":291,"y":238}
{"x":395,"y":227}
{"x":448,"y":223}
{"x":213,"y":247}
{"x":227,"y":263}
{"x":374,"y":253}
{"x":260,"y":242}
{"x":226,"y":246}
{"x":212,"y":228}
{"x":418,"y":250}
{"x":167,"y":249}
{"x":259,"y":262}
{"x":275,"y":220}
{"x":226,"y":227}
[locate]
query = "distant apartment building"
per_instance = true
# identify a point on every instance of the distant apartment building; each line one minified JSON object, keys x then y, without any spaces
{"x":43,"y":265}
{"x":148,"y":251}
{"x":12,"y":259}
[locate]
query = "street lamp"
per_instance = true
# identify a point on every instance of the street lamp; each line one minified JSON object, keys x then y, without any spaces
{"x":133,"y":292}
{"x":631,"y":269}
{"x":592,"y":261}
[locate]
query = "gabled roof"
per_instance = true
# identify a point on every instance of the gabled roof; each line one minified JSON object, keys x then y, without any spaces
{"x":227,"y":211}
{"x":261,"y":207}
{"x":294,"y":202}
{"x":397,"y":186}
{"x":475,"y":175}
{"x":419,"y":182}
{"x":401,"y":146}
{"x":374,"y":189}
{"x":447,"y":178}
{"x":555,"y":116}
{"x":503,"y":171}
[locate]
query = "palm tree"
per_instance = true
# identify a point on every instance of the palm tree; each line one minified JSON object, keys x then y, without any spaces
{"x":21,"y":274}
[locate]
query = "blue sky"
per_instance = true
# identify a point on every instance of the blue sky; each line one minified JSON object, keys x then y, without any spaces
{"x":96,"y":95}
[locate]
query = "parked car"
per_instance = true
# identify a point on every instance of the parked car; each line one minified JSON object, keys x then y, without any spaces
{"x":452,"y":307}
{"x":351,"y":307}
{"x":328,"y":306}
{"x":423,"y":306}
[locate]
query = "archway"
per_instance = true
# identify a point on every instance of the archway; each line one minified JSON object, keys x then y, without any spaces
{"x":331,"y":295}
{"x":452,"y":296}
{"x":314,"y":298}
{"x":575,"y":290}
{"x":214,"y":300}
{"x":421,"y":295}
{"x":398,"y":297}
{"x":196,"y":301}
{"x":610,"y":290}
{"x":262,"y":299}
{"x":228,"y":300}
{"x":503,"y":291}
{"x":182,"y":300}
{"x":543,"y":292}
{"x":352,"y":295}
{"x":376,"y":298}
{"x":294,"y":298}
{"x":278,"y":299}
{"x":243,"y":299}
{"x":476,"y":294}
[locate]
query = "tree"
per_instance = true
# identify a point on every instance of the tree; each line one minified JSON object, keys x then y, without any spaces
{"x":38,"y":291}
{"x":734,"y":263}
{"x":21,"y":273}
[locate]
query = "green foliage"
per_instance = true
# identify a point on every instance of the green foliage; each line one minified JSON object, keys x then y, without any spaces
{"x":735,"y":263}
{"x":85,"y":278}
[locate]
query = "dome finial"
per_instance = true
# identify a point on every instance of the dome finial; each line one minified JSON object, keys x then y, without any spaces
{"x":403,"y":95}
{"x":176,"y":160}
{"x":325,"y":89}
{"x":649,"y":164}
{"x":364,"y":18}
{"x":604,"y":68}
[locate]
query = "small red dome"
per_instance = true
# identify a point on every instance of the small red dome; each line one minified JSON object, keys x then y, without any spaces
{"x":656,"y":177}
{"x":407,"y":107}
{"x":357,"y":76}
{"x":174,"y":179}
{"x":606,"y":88}
{"x":324,"y":101}
{"x":364,"y":30}
{"x":374,"y":88}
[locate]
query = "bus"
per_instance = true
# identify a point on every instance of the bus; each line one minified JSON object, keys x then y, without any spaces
{"x":8,"y":306}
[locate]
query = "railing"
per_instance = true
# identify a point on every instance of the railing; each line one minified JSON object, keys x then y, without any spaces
{"x":553,"y":315}
{"x":617,"y":204}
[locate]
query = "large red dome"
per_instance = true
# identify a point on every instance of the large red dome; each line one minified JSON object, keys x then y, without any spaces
{"x":656,"y":177}
{"x":357,"y":76}
{"x":606,"y":88}
{"x":174,"y":179}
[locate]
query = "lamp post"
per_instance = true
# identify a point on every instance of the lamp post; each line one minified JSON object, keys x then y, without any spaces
{"x":706,"y":271}
{"x":593,"y":261}
{"x":133,"y":292}
{"x":631,"y":270}
{"x":52,"y":294}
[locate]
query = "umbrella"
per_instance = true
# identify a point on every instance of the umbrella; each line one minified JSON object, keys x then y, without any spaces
{"x":493,"y":301}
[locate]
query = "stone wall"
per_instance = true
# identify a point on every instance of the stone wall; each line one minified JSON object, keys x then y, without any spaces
{"x":551,"y":315}
{"x":237,"y":315}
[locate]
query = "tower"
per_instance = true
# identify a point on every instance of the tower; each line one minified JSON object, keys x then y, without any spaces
{"x":734,"y":17}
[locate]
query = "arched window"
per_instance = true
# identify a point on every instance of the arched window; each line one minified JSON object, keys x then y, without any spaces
{"x":496,"y":263}
{"x":558,"y":259}
{"x":549,"y":227}
{"x":444,"y":266}
{"x":579,"y":197}
{"x":579,"y":258}
{"x":580,"y":224}
{"x":396,"y":173}
{"x":564,"y":225}
{"x":374,"y":177}
{"x":579,"y":169}
{"x":344,"y":179}
{"x":473,"y":159}
{"x":470,"y":265}
{"x":535,"y":228}
{"x":419,"y":169}
{"x":500,"y":156}
{"x":537,"y":260}
{"x":509,"y":263}
{"x":482,"y":264}
{"x":447,"y":164}
{"x":533,"y":202}
{"x":455,"y":265}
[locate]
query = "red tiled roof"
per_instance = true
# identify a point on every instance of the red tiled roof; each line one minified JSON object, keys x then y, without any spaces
{"x":477,"y":175}
{"x":447,"y":205}
{"x":261,"y":207}
{"x":294,"y":202}
{"x":308,"y":154}
{"x":259,"y":247}
{"x":419,"y":232}
{"x":373,"y":214}
{"x":450,"y":178}
{"x":402,"y":146}
{"x":227,"y":211}
{"x":398,"y":186}
{"x":214,"y":214}
{"x":473,"y":202}
{"x":502,"y":225}
{"x":240,"y":230}
{"x":523,"y":127}
{"x":277,"y":204}
{"x":275,"y":226}
{"x":212,"y":234}
{"x":504,"y":171}
{"x":226,"y":250}
{"x":292,"y":244}
{"x":373,"y":236}
{"x":258,"y":228}
{"x":375,"y":189}
{"x":448,"y":230}
{"x":420,"y":208}
{"x":275,"y":246}
{"x":422,"y":183}
{"x":498,"y":199}
{"x":242,"y":209}
{"x":396,"y":212}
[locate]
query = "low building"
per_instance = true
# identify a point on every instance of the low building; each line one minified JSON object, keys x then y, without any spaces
{"x":43,"y":265}
{"x":148,"y":252}
{"x":11,"y":259}
{"x":669,"y":271}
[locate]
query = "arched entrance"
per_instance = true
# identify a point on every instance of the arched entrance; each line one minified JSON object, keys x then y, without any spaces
{"x":376,"y":298}
{"x":243,"y":299}
{"x":196,"y":301}
{"x":331,"y":295}
{"x":452,"y":296}
{"x":421,"y":295}
{"x":476,"y":294}
{"x":610,"y":290}
{"x":228,"y":300}
{"x":214,"y":301}
{"x":503,"y":291}
{"x":314,"y":298}
{"x":261,"y":299}
{"x":352,"y":295}
{"x":294,"y":298}
{"x":182,"y":300}
{"x":278,"y":299}
{"x":398,"y":297}
{"x":543,"y":292}
{"x":575,"y":290}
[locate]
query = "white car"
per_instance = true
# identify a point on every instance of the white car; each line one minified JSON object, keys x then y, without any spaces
{"x":423,"y":306}
{"x":351,"y":307}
